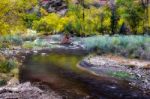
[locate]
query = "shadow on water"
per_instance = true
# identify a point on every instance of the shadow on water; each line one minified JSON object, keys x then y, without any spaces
{"x":61,"y":73}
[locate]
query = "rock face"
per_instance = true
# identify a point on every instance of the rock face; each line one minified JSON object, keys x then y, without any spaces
{"x":26,"y":91}
{"x":58,"y":6}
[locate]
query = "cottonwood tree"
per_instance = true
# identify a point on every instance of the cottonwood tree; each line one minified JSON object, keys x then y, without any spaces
{"x":12,"y":13}
{"x":132,"y":12}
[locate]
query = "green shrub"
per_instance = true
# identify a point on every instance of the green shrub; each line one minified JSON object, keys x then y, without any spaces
{"x":120,"y":74}
{"x":7,"y":40}
{"x":2,"y":82}
{"x":29,"y":18}
{"x":7,"y":65}
{"x":132,"y":14}
{"x":119,"y":44}
{"x":28,"y":45}
{"x":48,"y":24}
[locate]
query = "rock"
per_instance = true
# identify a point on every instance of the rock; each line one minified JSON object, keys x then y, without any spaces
{"x":146,"y":66}
{"x":26,"y":91}
{"x":146,"y":81}
{"x":62,"y":12}
{"x":139,"y":75}
{"x":131,"y":66}
{"x":35,"y":52}
{"x":43,"y":54}
{"x":13,"y":81}
{"x":58,"y":6}
{"x":23,"y":57}
{"x":27,"y":52}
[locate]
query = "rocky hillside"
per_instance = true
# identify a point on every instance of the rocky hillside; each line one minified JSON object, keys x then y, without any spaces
{"x":58,"y":6}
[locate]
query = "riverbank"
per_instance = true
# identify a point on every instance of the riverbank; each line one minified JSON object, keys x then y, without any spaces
{"x":26,"y":91}
{"x":21,"y":55}
{"x":133,"y":70}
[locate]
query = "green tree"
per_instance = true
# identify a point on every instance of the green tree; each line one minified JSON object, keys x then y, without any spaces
{"x":132,"y":12}
{"x":12,"y":13}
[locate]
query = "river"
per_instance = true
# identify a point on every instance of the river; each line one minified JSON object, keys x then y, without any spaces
{"x":62,"y":73}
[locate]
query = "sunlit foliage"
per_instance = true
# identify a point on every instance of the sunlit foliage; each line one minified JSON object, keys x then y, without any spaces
{"x":83,"y":17}
{"x":132,"y":14}
{"x":12,"y":13}
{"x":73,"y":21}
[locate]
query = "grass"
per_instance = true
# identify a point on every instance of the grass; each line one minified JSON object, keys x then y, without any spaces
{"x":133,"y":46}
{"x":120,"y":74}
{"x":8,"y":69}
{"x":7,"y":65}
{"x":15,"y":39}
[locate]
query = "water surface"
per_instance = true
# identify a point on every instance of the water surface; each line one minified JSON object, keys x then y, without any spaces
{"x":61,"y":73}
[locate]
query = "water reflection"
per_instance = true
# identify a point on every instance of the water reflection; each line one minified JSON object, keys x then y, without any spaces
{"x":61,"y":73}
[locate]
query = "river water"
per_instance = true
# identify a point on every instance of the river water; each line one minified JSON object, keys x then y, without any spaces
{"x":61,"y":73}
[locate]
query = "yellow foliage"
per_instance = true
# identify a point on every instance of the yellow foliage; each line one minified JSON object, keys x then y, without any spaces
{"x":73,"y":21}
{"x":50,"y":23}
{"x":43,"y":12}
{"x":140,"y":29}
{"x":107,"y":22}
{"x":11,"y":14}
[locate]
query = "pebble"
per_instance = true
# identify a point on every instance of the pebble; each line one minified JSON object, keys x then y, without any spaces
{"x":35,"y":52}
{"x":43,"y":54}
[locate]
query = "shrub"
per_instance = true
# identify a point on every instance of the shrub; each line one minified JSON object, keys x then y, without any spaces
{"x":30,"y":35}
{"x":132,"y":13}
{"x":120,"y":74}
{"x":7,"y":65}
{"x":29,"y":18}
{"x":7,"y":40}
{"x":127,"y":45}
{"x":48,"y":24}
{"x":28,"y":45}
{"x":2,"y":82}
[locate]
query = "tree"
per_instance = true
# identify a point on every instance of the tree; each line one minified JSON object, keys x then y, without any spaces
{"x":132,"y":12}
{"x":145,"y":5}
{"x":113,"y":16}
{"x":12,"y":13}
